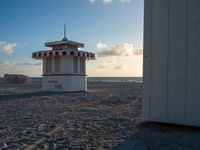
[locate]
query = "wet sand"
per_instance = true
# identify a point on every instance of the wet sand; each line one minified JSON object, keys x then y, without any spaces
{"x":108,"y":116}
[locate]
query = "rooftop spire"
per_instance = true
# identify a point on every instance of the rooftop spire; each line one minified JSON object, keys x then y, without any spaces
{"x":65,"y":30}
{"x":65,"y":38}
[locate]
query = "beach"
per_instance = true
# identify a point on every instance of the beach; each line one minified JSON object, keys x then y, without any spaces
{"x":107,"y":116}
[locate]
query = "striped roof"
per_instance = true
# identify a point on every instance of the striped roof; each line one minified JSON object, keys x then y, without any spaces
{"x":67,"y":52}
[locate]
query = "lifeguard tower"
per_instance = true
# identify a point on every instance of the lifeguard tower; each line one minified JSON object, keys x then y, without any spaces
{"x":64,"y":67}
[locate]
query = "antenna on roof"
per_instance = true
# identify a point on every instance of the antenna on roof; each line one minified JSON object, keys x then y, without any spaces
{"x":65,"y":38}
{"x":65,"y":30}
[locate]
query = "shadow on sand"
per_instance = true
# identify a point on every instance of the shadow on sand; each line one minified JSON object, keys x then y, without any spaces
{"x":150,"y":135}
{"x":32,"y":94}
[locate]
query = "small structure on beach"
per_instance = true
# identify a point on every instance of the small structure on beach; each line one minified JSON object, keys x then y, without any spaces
{"x":16,"y":79}
{"x":64,"y":67}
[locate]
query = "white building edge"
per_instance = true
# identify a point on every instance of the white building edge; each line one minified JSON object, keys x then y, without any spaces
{"x":171,"y":61}
{"x":64,"y":67}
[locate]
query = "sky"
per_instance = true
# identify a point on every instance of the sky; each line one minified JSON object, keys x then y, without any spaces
{"x":112,"y":29}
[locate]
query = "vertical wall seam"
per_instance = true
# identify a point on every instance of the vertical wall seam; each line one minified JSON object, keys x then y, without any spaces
{"x":168,"y":46}
{"x":146,"y":87}
{"x":150,"y":65}
{"x":186,"y":56}
{"x":144,"y":62}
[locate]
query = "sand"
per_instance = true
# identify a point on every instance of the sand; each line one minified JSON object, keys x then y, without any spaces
{"x":108,"y":116}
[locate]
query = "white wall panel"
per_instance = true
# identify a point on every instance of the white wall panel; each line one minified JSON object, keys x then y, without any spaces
{"x":193,"y":74}
{"x":172,"y":61}
{"x":177,"y":59}
{"x":159,"y":58}
{"x":147,"y":58}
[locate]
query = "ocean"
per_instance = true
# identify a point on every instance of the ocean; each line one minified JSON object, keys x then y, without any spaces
{"x":115,"y":79}
{"x":99,"y":79}
{"x":104,"y":79}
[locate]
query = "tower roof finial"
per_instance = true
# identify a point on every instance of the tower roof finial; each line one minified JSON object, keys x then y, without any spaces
{"x":65,"y":30}
{"x":65,"y":38}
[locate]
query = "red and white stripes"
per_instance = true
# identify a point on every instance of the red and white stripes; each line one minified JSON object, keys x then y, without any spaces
{"x":51,"y":53}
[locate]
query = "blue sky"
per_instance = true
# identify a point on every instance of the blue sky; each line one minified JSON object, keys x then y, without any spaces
{"x":102,"y":25}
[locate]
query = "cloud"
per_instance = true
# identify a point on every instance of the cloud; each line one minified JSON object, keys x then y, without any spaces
{"x":122,"y":67}
{"x":117,"y":50}
{"x":138,"y":52}
{"x":7,"y":63}
{"x":25,"y":64}
{"x":101,"y":66}
{"x":38,"y":64}
{"x":6,"y":47}
{"x":1,"y":62}
{"x":119,"y":67}
{"x":28,"y":64}
{"x":93,"y":1}
{"x":101,"y":45}
{"x":109,"y":1}
{"x":125,"y":1}
{"x":106,"y":1}
{"x":29,"y":68}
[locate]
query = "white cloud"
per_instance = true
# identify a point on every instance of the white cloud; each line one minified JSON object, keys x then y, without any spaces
{"x":7,"y":63}
{"x":106,"y":1}
{"x":118,"y":60}
{"x":101,"y":45}
{"x":109,"y":1}
{"x":6,"y":47}
{"x":26,"y":68}
{"x":117,"y":50}
{"x":93,"y":1}
{"x":28,"y":64}
{"x":119,"y":67}
{"x":25,"y":64}
{"x":101,"y":66}
{"x":125,"y":49}
{"x":38,"y":64}
{"x":138,"y":52}
{"x":125,"y":1}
